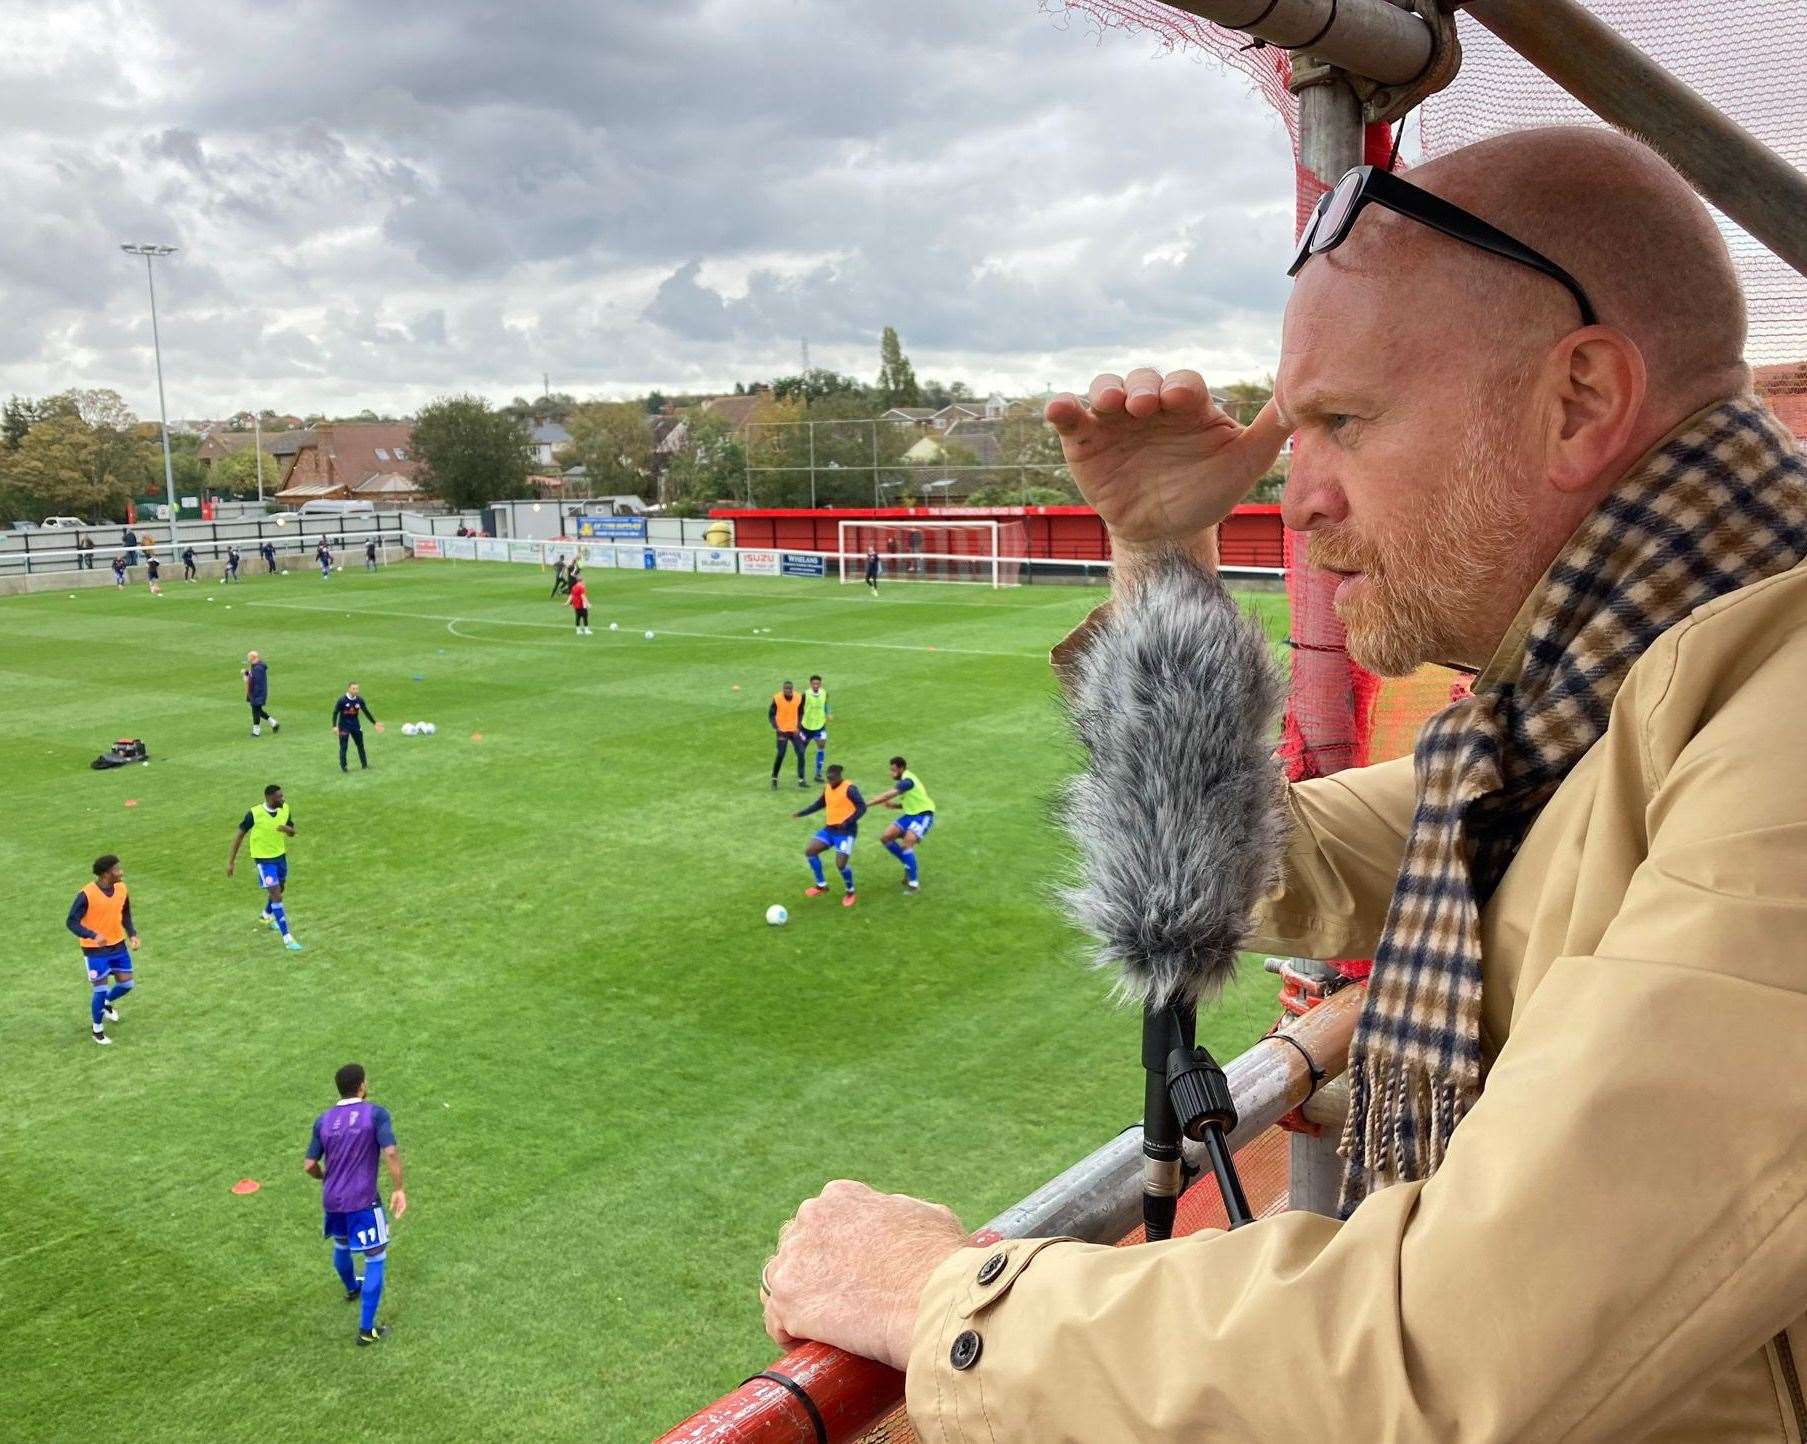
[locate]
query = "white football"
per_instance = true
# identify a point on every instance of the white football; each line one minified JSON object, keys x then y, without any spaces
{"x":649,"y":636}
{"x":776,"y":915}
{"x":409,"y":729}
{"x":614,"y":626}
{"x":429,"y":728}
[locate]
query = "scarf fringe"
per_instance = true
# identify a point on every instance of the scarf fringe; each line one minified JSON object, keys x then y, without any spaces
{"x":1401,"y":1119}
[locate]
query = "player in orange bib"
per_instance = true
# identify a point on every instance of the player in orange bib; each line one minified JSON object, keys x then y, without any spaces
{"x":786,"y":716}
{"x":844,"y":807}
{"x":101,"y":919}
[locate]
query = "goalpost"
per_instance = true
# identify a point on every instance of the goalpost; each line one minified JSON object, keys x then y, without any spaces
{"x":987,"y":553}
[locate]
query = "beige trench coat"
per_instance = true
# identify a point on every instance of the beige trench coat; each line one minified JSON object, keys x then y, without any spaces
{"x":1616,"y":1245}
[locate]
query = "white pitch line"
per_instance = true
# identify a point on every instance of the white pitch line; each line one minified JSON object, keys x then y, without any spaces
{"x":858,"y":600}
{"x":663,"y":631}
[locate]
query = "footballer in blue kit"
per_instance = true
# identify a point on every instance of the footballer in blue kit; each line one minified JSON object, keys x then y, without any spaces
{"x":843,"y":807}
{"x":342,"y":1152}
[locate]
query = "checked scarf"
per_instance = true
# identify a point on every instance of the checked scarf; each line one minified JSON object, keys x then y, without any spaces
{"x":1719,"y":505}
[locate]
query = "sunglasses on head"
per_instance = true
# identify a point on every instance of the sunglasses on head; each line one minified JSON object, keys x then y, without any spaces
{"x":1336,"y":215}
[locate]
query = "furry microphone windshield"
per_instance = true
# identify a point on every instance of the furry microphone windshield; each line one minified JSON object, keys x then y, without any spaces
{"x":1180,"y":816}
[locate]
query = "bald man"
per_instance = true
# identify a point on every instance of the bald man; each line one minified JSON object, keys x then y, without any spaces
{"x":1575,"y":1200}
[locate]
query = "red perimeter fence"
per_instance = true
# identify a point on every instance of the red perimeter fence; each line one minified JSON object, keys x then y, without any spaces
{"x":1252,"y":536}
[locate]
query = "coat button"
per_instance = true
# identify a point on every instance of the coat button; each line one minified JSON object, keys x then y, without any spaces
{"x":992,"y":1267}
{"x":965,"y":1352}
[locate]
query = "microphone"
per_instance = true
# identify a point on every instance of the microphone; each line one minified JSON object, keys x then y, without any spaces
{"x":1180,"y":824}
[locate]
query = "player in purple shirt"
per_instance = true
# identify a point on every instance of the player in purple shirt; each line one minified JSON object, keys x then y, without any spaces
{"x":347,"y":1138}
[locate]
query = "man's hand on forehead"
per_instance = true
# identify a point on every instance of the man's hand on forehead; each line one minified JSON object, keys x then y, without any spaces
{"x":1159,"y":459}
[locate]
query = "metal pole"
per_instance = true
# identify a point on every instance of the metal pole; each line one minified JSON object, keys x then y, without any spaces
{"x":1623,"y":86}
{"x":812,"y":464}
{"x":257,"y":431}
{"x":1374,"y":39}
{"x":169,"y":471}
{"x":150,"y":253}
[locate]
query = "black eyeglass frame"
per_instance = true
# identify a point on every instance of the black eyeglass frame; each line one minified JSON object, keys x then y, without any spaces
{"x":1375,"y":186}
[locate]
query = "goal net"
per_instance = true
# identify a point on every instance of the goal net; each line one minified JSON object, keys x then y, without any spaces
{"x":989,"y":553}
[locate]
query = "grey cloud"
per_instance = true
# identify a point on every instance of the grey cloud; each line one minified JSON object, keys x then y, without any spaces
{"x":377,"y":205}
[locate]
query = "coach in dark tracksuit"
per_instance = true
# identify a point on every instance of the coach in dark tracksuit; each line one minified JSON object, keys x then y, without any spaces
{"x":257,"y":692}
{"x":348,"y":714}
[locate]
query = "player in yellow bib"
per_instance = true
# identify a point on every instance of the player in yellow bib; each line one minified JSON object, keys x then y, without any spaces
{"x":269,"y":829}
{"x":815,"y":720}
{"x":918,"y":808}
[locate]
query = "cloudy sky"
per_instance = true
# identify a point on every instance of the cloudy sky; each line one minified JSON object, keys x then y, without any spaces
{"x":380,"y":201}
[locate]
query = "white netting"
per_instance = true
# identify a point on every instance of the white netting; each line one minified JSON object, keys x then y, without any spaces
{"x":986,"y":552}
{"x":1717,"y":49}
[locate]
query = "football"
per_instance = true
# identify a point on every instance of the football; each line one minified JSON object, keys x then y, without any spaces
{"x":776,"y":915}
{"x":409,"y":729}
{"x":649,"y":636}
{"x":429,"y":728}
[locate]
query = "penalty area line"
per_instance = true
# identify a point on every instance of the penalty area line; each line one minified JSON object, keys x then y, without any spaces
{"x":452,"y":620}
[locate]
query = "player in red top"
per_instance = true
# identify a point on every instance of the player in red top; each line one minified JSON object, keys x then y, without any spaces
{"x":580,"y":606}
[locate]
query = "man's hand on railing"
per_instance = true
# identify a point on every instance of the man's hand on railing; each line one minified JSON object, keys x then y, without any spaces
{"x":851,"y":1267}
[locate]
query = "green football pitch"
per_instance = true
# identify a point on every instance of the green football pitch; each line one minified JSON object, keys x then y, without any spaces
{"x":542,"y":932}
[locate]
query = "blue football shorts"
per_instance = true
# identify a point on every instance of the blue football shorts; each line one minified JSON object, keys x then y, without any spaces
{"x":272,"y":871}
{"x":917,"y":822}
{"x":363,"y":1229}
{"x":102,"y":961}
{"x":815,"y":734}
{"x":840,"y":842}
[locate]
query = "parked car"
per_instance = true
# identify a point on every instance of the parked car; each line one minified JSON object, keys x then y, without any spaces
{"x":337,"y":508}
{"x":51,"y":523}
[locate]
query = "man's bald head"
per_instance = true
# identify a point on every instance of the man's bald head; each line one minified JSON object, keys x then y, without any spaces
{"x":1617,"y":217}
{"x":1454,"y":421}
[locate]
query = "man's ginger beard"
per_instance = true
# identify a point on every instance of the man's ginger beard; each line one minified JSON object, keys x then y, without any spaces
{"x":1457,"y":541}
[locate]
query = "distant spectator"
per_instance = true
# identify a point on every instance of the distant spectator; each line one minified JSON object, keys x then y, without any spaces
{"x":131,"y":547}
{"x":188,"y":564}
{"x":269,"y":553}
{"x":119,"y":569}
{"x":85,"y":545}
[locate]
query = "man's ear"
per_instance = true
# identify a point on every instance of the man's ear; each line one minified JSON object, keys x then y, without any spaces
{"x":1596,"y":381}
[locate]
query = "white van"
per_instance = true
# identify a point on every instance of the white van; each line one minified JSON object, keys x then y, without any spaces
{"x":53,"y":523}
{"x":337,"y":508}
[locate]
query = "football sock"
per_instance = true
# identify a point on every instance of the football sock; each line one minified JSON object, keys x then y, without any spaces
{"x":815,"y":866}
{"x":99,"y":1000}
{"x":119,"y":990}
{"x":820,"y":753}
{"x":896,"y":851}
{"x":909,"y":862}
{"x":373,"y":1292}
{"x":342,"y":1262}
{"x":281,"y":915}
{"x":847,"y":877}
{"x":267,"y":906}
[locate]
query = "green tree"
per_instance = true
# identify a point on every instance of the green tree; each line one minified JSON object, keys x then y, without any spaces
{"x":817,"y":384}
{"x":896,"y":377}
{"x":613,"y":442}
{"x":65,"y":466}
{"x":710,"y":468}
{"x":236,"y":475}
{"x":553,"y":406}
{"x":16,"y":419}
{"x":470,"y":454}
